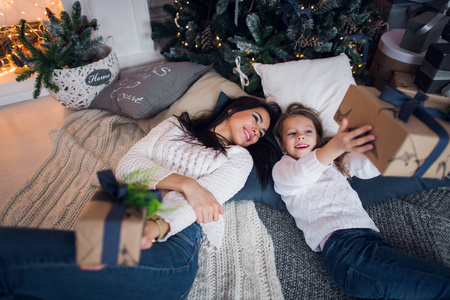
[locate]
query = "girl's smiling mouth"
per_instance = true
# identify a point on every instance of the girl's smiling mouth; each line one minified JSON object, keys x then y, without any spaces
{"x":301,"y":146}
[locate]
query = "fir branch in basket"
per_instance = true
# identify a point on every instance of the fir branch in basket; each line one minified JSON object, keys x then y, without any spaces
{"x":68,"y":43}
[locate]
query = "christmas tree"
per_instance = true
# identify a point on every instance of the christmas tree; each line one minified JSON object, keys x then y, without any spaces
{"x":267,"y":31}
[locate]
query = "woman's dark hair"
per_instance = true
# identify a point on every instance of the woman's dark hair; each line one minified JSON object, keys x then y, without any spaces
{"x":300,"y":109}
{"x":199,"y":128}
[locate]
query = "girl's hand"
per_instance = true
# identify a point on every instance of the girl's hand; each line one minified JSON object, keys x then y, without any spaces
{"x":355,"y":140}
{"x":346,"y":141}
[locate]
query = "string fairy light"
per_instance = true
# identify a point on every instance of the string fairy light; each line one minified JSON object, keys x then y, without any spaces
{"x":10,"y":14}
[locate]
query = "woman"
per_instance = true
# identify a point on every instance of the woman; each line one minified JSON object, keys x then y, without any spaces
{"x":201,"y":162}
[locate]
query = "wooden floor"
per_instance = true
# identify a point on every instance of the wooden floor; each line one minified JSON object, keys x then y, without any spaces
{"x":25,"y":142}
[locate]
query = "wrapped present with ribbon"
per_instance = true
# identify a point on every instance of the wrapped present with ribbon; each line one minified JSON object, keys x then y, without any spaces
{"x":434,"y":73}
{"x":110,"y":227}
{"x":410,"y":140}
{"x":398,"y":12}
{"x":404,"y":82}
{"x":423,"y":30}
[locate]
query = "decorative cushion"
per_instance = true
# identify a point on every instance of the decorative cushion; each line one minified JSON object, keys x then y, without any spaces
{"x":145,"y":91}
{"x":201,"y":96}
{"x":317,"y":83}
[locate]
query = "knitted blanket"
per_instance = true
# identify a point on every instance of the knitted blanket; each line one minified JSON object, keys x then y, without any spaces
{"x":418,"y":224}
{"x":94,"y":140}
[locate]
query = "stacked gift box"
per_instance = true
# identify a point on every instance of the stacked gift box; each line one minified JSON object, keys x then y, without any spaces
{"x":404,"y":82}
{"x":398,"y":12}
{"x":389,"y":58}
{"x":423,"y":30}
{"x":434,"y":73}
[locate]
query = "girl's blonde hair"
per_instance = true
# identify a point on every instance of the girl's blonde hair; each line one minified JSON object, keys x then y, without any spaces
{"x":313,"y":115}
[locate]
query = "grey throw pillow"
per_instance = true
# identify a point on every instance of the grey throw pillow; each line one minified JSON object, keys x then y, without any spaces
{"x":145,"y":91}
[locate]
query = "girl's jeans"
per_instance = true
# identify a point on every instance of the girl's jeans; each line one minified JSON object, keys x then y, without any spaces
{"x":366,"y":267}
{"x":40,"y":264}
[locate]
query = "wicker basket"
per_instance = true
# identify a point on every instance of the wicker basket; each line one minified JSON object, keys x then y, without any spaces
{"x":79,"y":86}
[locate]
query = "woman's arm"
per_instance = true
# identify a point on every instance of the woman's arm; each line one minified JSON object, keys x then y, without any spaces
{"x":205,"y":205}
{"x":222,"y":183}
{"x":141,"y":156}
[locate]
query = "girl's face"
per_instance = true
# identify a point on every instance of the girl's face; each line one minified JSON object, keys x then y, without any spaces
{"x":246,"y":127}
{"x":299,"y":136}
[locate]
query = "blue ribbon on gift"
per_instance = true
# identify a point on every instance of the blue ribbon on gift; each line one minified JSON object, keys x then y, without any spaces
{"x":359,"y":37}
{"x":301,"y":14}
{"x":113,"y":222}
{"x":409,"y":106}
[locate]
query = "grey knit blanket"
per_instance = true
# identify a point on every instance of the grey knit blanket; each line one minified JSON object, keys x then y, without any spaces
{"x":418,"y":224}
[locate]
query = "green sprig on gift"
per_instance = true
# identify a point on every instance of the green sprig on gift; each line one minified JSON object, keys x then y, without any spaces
{"x":139,"y":193}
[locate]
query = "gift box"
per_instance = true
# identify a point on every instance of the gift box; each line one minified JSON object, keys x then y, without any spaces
{"x":398,"y":12}
{"x":423,"y":30}
{"x":104,"y":239}
{"x":389,"y":58}
{"x":405,"y":144}
{"x":110,"y":227}
{"x":404,"y":82}
{"x":434,"y":73}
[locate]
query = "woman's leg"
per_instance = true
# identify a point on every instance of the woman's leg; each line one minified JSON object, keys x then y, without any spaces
{"x":364,"y":266}
{"x":41,"y":264}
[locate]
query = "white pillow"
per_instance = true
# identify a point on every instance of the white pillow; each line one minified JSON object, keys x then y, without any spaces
{"x":317,"y":83}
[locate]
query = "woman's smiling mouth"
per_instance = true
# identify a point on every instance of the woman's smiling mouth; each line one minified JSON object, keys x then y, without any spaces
{"x":248,"y":136}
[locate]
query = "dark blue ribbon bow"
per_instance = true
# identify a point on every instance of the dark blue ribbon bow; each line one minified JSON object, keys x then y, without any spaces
{"x":409,"y":106}
{"x":301,"y":14}
{"x":113,"y":222}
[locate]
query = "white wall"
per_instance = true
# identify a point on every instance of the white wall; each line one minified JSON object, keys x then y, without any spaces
{"x":125,"y":25}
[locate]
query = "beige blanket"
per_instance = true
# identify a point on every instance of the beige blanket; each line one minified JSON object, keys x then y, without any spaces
{"x":93,"y":140}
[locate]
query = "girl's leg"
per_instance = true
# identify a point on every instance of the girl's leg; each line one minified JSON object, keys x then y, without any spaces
{"x":41,"y":264}
{"x":364,"y":266}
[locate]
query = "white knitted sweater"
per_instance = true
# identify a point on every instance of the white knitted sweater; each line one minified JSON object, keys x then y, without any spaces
{"x":320,"y":198}
{"x":165,"y":147}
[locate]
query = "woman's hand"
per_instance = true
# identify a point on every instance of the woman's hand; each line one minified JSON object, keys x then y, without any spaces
{"x":152,"y":231}
{"x":356,"y":140}
{"x":205,"y":205}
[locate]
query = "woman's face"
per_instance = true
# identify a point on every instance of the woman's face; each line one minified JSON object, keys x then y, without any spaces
{"x":246,"y":127}
{"x":299,"y":136}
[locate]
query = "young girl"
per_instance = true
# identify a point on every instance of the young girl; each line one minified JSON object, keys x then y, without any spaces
{"x":312,"y":180}
{"x":202,"y":162}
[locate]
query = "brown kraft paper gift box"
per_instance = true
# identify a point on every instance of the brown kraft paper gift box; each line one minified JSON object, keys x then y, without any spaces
{"x":89,"y":232}
{"x":400,"y":148}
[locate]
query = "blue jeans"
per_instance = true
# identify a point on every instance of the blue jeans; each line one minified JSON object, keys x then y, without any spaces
{"x":364,"y":266}
{"x":40,"y":264}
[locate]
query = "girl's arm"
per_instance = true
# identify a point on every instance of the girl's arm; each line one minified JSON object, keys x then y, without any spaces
{"x":345,"y":141}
